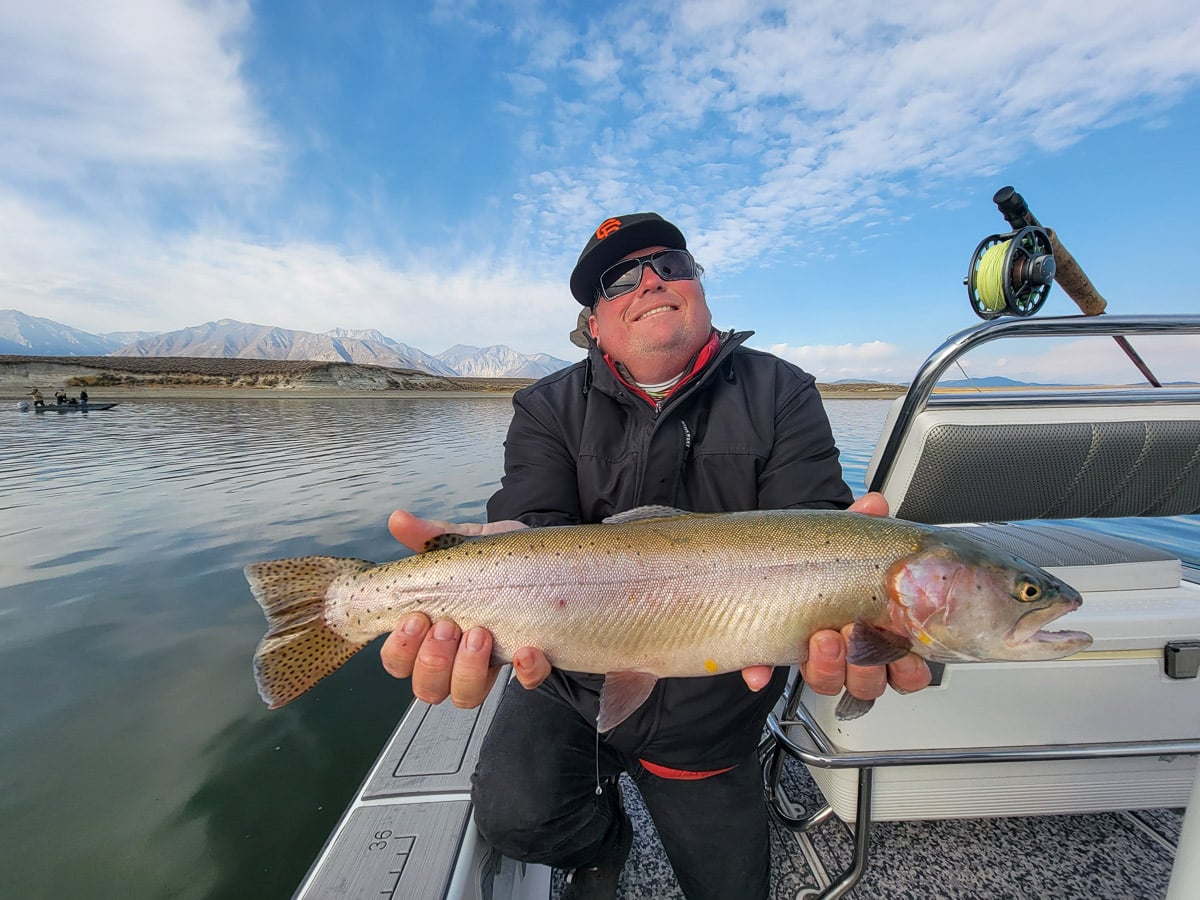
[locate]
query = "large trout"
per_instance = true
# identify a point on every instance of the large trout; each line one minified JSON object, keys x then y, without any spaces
{"x":656,"y":593}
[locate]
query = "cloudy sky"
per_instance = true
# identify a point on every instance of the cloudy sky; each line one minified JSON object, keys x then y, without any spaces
{"x":432,"y":168}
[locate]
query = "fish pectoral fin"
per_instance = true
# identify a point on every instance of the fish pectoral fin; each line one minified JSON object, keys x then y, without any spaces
{"x":621,"y":694}
{"x":873,"y":646}
{"x":641,"y":513}
{"x":443,"y":542}
{"x":851,"y":707}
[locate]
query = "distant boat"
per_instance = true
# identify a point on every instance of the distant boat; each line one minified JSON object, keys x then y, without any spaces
{"x":63,"y":407}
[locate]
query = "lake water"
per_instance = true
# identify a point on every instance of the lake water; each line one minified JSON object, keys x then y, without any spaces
{"x":136,"y":759}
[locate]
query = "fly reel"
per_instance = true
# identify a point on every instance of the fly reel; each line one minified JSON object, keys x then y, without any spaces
{"x":1010,"y":274}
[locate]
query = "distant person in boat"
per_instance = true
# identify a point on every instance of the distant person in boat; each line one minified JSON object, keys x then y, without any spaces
{"x":83,"y":398}
{"x":60,"y":396}
{"x":37,"y":398}
{"x":664,"y":410}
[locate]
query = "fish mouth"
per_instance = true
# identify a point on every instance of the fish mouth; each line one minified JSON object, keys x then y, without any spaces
{"x":1029,"y":633}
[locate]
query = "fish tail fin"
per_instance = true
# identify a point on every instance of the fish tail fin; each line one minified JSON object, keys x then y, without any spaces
{"x":299,"y":648}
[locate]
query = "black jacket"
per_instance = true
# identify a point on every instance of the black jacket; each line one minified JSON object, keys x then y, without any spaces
{"x":748,"y":431}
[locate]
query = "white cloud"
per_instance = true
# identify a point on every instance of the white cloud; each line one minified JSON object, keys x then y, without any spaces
{"x":1089,"y":361}
{"x":146,"y":86}
{"x":75,"y":277}
{"x":598,"y":66}
{"x":462,"y":14}
{"x":813,"y":108}
{"x":1053,"y":361}
{"x":870,"y":361}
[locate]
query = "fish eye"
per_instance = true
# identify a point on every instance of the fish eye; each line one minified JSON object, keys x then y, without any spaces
{"x":1028,"y":589}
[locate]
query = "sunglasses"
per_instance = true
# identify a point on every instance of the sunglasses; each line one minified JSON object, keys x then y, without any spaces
{"x":625,"y":276}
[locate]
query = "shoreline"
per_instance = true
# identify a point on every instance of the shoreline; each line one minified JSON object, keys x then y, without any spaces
{"x":117,"y":393}
{"x":111,"y":379}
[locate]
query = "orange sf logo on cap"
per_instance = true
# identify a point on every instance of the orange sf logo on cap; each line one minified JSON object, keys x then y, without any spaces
{"x":607,"y":227}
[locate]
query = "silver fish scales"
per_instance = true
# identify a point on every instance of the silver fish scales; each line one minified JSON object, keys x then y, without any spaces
{"x":659,"y":593}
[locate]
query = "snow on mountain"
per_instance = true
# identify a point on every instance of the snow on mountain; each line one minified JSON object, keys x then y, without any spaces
{"x":499,"y":361}
{"x":421,"y":359}
{"x":25,"y":335}
{"x":128,"y":337}
{"x":228,"y":338}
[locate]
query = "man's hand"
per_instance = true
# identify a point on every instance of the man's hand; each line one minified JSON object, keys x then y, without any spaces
{"x":441,"y":660}
{"x":826,"y":670}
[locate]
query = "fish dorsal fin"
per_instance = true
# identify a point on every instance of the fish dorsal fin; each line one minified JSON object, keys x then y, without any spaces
{"x":870,"y":645}
{"x":641,"y":513}
{"x":622,"y":693}
{"x":443,"y":542}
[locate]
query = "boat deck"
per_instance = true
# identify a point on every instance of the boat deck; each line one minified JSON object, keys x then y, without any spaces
{"x":1125,"y":855}
{"x":409,"y":834}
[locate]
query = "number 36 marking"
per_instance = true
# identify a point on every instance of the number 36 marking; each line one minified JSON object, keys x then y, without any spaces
{"x":380,"y":842}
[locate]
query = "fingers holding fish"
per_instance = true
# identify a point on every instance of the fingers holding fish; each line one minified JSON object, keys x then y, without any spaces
{"x":441,"y":660}
{"x":531,"y":667}
{"x":471,"y":674}
{"x":437,"y":659}
{"x":412,"y":531}
{"x":444,"y":662}
{"x":757,"y":677}
{"x":825,"y":669}
{"x":872,"y":504}
{"x":909,"y":674}
{"x":827,"y":672}
{"x":416,"y":533}
{"x":399,"y":650}
{"x":864,"y":682}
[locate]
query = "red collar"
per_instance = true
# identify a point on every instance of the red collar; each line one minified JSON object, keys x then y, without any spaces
{"x":701,"y":359}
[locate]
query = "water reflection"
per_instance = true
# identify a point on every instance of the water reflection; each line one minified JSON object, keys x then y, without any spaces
{"x":856,"y":426}
{"x":133,"y":747}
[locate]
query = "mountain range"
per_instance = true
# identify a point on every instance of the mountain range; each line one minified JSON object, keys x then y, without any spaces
{"x":25,"y":335}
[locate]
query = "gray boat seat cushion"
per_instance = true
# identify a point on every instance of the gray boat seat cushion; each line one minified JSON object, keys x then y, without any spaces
{"x":995,"y":462}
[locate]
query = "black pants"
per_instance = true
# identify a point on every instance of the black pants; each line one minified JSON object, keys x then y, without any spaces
{"x":535,"y":800}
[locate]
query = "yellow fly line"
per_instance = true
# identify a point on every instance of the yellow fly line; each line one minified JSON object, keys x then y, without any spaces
{"x":989,"y":278}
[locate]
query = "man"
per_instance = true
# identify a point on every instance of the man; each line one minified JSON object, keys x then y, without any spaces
{"x":664,"y":410}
